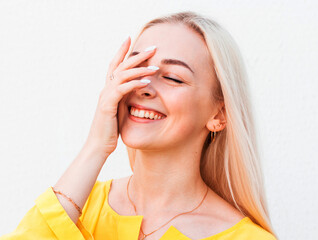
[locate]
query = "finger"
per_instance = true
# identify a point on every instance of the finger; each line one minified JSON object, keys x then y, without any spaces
{"x":127,"y":87}
{"x":134,"y":73}
{"x":120,"y":55}
{"x":135,"y":60}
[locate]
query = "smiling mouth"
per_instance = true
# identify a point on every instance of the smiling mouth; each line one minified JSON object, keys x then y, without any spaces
{"x":144,"y":114}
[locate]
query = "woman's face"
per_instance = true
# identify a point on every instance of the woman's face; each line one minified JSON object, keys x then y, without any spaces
{"x":186,"y":103}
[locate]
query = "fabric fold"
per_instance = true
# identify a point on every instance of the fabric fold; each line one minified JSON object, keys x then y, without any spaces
{"x":57,"y":218}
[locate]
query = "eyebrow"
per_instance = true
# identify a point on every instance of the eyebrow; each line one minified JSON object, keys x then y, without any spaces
{"x":168,"y":61}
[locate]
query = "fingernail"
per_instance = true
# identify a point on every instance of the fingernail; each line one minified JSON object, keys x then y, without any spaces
{"x":150,"y":48}
{"x":126,"y":40}
{"x":153,"y":67}
{"x":145,"y":81}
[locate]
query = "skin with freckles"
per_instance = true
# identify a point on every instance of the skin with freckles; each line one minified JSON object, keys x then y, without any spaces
{"x":166,"y":179}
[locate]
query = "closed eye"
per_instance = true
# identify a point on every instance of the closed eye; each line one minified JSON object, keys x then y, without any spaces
{"x":173,"y":79}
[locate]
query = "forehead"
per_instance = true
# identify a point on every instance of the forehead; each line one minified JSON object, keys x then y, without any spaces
{"x":176,"y":41}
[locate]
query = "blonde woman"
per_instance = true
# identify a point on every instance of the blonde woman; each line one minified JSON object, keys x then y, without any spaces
{"x":180,"y":101}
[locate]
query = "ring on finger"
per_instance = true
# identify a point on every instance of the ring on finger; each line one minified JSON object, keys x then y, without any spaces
{"x":111,"y":77}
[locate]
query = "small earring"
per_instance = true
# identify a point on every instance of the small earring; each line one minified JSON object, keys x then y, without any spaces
{"x":213,"y":134}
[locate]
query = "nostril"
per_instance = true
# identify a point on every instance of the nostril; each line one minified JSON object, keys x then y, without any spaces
{"x":147,"y":94}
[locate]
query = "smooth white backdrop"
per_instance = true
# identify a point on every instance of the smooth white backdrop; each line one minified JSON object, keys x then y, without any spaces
{"x":53,"y":62}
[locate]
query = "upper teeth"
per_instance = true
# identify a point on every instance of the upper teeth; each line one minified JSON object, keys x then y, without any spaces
{"x":145,"y":113}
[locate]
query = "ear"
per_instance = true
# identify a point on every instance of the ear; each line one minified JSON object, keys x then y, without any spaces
{"x":217,"y":122}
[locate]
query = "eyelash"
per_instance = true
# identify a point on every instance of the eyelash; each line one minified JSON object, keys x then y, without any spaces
{"x":175,"y":80}
{"x":169,"y":78}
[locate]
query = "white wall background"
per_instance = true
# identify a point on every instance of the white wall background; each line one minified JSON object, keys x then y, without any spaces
{"x":53,"y":61}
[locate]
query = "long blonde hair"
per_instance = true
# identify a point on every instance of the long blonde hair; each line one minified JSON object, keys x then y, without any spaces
{"x":230,"y":165}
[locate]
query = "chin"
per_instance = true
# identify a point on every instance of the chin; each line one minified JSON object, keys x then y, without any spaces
{"x":136,"y":141}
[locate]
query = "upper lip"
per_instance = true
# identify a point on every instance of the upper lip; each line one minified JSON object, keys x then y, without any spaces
{"x":144,"y":108}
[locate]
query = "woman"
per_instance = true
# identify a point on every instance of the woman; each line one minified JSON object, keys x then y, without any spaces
{"x":180,"y":102}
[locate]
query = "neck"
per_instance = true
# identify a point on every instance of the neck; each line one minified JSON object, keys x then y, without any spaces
{"x":166,"y":180}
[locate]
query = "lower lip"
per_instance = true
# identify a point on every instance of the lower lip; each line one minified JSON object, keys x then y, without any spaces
{"x":142,"y":120}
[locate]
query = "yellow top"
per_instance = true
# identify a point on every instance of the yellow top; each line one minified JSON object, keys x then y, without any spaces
{"x":48,"y":220}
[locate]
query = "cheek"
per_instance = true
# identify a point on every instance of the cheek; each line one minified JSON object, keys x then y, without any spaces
{"x":185,"y":112}
{"x":196,"y":108}
{"x":121,"y":114}
{"x":183,"y":102}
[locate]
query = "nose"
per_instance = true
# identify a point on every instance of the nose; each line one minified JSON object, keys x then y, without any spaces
{"x":148,"y":91}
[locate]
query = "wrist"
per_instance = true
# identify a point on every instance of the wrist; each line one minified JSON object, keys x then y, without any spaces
{"x":93,"y":153}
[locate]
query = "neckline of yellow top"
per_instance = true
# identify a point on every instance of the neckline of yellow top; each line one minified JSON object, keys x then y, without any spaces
{"x":171,"y":228}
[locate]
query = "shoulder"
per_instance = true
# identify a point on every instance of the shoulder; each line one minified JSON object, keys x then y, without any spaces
{"x":247,"y":229}
{"x":228,"y":222}
{"x":114,"y":184}
{"x":102,"y":186}
{"x":97,"y":196}
{"x":101,"y":189}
